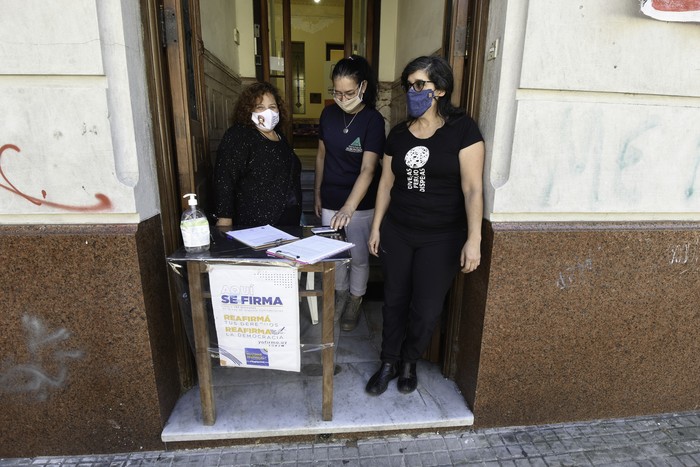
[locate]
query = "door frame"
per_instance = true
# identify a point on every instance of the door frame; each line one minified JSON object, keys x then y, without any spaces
{"x":176,"y":154}
{"x":466,"y":22}
{"x":166,"y":170}
{"x":180,"y":140}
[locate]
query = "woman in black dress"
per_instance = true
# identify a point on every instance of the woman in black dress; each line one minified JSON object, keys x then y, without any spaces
{"x":257,"y":178}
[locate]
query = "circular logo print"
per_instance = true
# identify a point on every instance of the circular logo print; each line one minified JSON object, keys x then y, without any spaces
{"x":417,"y":157}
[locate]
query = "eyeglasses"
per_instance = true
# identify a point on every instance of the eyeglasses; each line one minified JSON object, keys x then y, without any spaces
{"x":344,"y":95}
{"x":417,"y":85}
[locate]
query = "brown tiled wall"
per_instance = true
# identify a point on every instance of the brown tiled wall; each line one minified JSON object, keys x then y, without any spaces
{"x":582,"y":322}
{"x":87,"y":341}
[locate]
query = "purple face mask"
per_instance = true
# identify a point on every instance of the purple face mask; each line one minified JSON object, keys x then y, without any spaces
{"x":419,"y":102}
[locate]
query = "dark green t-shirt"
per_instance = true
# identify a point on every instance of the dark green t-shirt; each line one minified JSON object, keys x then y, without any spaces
{"x":344,"y":153}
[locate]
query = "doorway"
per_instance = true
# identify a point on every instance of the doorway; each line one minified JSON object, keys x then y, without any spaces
{"x":216,"y":88}
{"x":301,"y":40}
{"x":299,"y":43}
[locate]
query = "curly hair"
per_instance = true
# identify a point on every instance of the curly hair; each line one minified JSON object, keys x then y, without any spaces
{"x":250,"y":97}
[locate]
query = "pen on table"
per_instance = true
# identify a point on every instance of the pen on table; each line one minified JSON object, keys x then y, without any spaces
{"x":286,"y":255}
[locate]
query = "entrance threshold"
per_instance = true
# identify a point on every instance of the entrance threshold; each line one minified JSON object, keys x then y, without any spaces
{"x":252,"y":403}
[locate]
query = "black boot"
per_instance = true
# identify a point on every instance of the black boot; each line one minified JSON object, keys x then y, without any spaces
{"x":408,"y":379}
{"x":378,"y":383}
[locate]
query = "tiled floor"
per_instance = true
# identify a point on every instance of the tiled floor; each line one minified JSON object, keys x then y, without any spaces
{"x":254,"y":403}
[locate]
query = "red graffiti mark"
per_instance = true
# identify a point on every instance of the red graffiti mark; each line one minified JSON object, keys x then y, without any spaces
{"x":104,"y":203}
{"x":676,"y":5}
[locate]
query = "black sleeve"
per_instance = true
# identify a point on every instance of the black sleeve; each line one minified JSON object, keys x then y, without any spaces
{"x":231,"y":157}
{"x":471,"y":133}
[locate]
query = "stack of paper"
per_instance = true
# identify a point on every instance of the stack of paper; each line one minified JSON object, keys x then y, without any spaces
{"x":310,"y":250}
{"x":261,"y":237}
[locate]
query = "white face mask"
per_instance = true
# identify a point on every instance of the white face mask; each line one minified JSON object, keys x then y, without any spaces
{"x":266,"y":120}
{"x":350,"y":105}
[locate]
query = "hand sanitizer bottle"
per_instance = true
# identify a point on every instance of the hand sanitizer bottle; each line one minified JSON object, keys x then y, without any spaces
{"x":195,"y":227}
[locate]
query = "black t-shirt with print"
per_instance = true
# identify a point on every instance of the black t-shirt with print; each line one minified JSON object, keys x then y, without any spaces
{"x":427,"y":192}
{"x":344,"y":152}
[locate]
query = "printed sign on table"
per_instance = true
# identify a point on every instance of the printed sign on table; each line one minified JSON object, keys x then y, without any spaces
{"x":256,"y":311}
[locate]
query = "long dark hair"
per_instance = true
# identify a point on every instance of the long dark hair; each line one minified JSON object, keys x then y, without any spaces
{"x":440,"y":73}
{"x":249,"y":99}
{"x":358,"y":68}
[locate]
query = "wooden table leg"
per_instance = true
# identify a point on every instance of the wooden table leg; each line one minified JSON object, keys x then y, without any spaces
{"x":201,"y":342}
{"x":327,"y":329}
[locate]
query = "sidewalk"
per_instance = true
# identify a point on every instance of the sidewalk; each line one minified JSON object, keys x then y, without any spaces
{"x":672,"y":439}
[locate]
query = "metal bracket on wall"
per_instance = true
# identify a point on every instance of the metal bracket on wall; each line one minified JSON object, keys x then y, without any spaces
{"x":168,"y":26}
{"x":493,"y":50}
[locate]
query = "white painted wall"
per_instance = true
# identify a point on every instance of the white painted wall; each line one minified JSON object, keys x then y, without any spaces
{"x":419,"y":30}
{"x":246,"y":49}
{"x":591,"y":112}
{"x":76,"y":128}
{"x":387,"y":40}
{"x":219,"y":23}
{"x":220,"y":19}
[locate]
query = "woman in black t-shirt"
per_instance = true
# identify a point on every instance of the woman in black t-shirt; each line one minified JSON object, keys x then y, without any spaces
{"x":427,"y":219}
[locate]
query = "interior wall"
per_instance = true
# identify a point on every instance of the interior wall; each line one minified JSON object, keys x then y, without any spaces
{"x":219,"y":30}
{"x":315,"y":26}
{"x":227,"y":32}
{"x":387,"y":40}
{"x":246,"y":48}
{"x":419,"y":30}
{"x":590,"y":112}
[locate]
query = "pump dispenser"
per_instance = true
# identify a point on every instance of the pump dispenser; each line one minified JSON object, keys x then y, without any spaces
{"x":195,"y":227}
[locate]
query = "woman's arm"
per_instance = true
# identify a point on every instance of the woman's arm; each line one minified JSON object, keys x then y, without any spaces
{"x":471,"y":165}
{"x":230,"y":157}
{"x":382,"y":204}
{"x":320,"y":161}
{"x":359,"y":190}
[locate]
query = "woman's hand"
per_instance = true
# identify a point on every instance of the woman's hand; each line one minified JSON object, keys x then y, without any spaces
{"x":224,"y":222}
{"x":470,"y":258}
{"x":342,"y":218}
{"x":373,"y":242}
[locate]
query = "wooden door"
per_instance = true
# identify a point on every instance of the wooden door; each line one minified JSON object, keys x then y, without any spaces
{"x":467,"y":21}
{"x":171,"y":35}
{"x":184,"y":50}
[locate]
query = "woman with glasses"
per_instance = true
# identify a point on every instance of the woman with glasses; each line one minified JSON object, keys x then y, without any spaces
{"x":257,"y":177}
{"x":351,"y":139}
{"x":427,"y":219}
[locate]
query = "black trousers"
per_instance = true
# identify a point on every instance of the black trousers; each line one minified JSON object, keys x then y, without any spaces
{"x":418,"y":269}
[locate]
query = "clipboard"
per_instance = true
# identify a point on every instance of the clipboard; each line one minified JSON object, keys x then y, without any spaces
{"x":262,"y":237}
{"x":310,"y":250}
